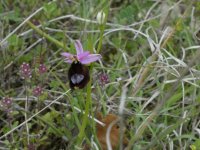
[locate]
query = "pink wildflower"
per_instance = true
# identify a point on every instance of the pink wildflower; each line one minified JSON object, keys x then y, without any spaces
{"x":84,"y":57}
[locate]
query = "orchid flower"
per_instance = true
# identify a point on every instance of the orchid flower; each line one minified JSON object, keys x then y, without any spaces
{"x":84,"y":57}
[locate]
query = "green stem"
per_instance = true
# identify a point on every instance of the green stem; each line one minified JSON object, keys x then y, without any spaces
{"x":48,"y":37}
{"x":26,"y":110}
{"x":101,"y":38}
{"x":85,"y":117}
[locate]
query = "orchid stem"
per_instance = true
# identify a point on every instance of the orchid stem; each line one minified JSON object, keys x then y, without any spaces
{"x":85,"y":117}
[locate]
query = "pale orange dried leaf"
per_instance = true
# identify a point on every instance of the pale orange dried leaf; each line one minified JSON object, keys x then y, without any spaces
{"x":114,"y":133}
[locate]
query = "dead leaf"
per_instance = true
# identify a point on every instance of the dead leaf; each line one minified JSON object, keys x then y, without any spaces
{"x":114,"y":133}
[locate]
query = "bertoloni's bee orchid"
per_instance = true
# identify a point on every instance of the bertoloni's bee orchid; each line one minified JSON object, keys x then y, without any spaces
{"x":78,"y":73}
{"x":84,"y":57}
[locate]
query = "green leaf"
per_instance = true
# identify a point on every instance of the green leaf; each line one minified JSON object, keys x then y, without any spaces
{"x":50,"y":9}
{"x":54,"y":84}
{"x":12,"y":16}
{"x":195,"y":145}
{"x":13,"y":40}
{"x":48,"y":119}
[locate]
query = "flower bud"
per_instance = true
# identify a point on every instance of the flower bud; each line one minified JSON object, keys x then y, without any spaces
{"x":101,"y":17}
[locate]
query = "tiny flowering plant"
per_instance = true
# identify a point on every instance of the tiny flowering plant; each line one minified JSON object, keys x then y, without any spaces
{"x":6,"y":105}
{"x":78,"y":73}
{"x":42,"y":69}
{"x":37,"y":91}
{"x":6,"y":102}
{"x":25,"y":71}
{"x":103,"y":79}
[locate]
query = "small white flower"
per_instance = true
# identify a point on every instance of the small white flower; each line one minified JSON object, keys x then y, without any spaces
{"x":101,"y":17}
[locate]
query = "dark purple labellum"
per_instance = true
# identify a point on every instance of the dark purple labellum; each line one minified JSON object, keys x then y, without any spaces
{"x":78,"y":75}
